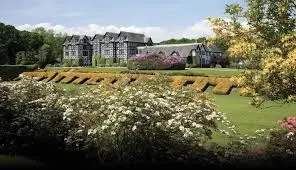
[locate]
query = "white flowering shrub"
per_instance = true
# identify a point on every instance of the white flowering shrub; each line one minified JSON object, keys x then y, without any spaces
{"x":142,"y":121}
{"x":30,"y":120}
{"x":282,"y":144}
{"x":145,"y":121}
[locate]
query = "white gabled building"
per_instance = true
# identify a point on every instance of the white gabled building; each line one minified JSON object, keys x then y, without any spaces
{"x":195,"y":53}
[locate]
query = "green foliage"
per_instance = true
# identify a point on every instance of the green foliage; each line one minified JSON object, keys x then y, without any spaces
{"x":184,"y":41}
{"x":45,"y":56}
{"x":9,"y":44}
{"x":52,"y":39}
{"x":141,"y":122}
{"x":156,"y":62}
{"x":109,"y":61}
{"x":98,"y":61}
{"x":26,"y":58}
{"x":31,"y":122}
{"x":266,"y":45}
{"x":281,"y":144}
{"x":123,"y":64}
{"x":272,"y":19}
{"x":125,"y":125}
{"x":13,"y":41}
{"x":10,"y":72}
{"x":72,"y":62}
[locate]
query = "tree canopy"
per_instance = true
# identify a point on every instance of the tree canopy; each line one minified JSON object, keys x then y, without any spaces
{"x":267,"y":43}
{"x":23,"y":47}
{"x":183,"y":41}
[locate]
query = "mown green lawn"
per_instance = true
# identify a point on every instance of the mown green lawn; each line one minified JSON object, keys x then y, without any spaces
{"x":189,"y":71}
{"x":248,"y":118}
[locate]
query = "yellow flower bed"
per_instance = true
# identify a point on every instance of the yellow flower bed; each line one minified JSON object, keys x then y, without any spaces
{"x":247,"y":92}
{"x":201,"y":84}
{"x":178,"y":81}
{"x":222,"y":85}
{"x":68,"y":79}
{"x":40,"y":75}
{"x":94,"y":80}
{"x":80,"y":80}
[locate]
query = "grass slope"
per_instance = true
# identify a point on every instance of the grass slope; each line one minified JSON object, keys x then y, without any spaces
{"x":248,"y":118}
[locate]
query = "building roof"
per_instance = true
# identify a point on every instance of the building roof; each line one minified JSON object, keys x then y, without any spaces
{"x":184,"y":50}
{"x":213,"y":48}
{"x":112,"y":34}
{"x":98,"y":36}
{"x":133,"y":37}
{"x":89,"y":37}
{"x":130,"y":36}
{"x":147,"y":39}
{"x":67,"y":39}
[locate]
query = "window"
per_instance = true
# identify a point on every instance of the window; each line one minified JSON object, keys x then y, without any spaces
{"x":84,"y":40}
{"x":73,"y":53}
{"x":107,"y":52}
{"x":67,"y":54}
{"x":175,"y":54}
{"x":85,"y":53}
{"x":84,"y":47}
{"x":203,"y":53}
{"x":121,"y":51}
{"x":161,"y":53}
{"x":193,"y":53}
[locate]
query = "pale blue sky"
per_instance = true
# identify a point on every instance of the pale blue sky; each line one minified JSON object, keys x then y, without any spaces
{"x":72,"y":15}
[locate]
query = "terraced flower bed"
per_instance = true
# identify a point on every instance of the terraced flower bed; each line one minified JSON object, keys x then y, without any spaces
{"x":222,"y":85}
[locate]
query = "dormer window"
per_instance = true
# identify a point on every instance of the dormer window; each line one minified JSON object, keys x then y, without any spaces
{"x":161,"y":53}
{"x":193,"y":53}
{"x":175,"y":53}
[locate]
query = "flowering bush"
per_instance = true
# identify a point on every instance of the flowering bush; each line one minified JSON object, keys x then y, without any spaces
{"x":144,"y":121}
{"x":156,"y":62}
{"x":30,"y":119}
{"x":279,"y":77}
{"x":281,"y":145}
{"x":282,"y":141}
{"x":277,"y":80}
{"x":289,"y":123}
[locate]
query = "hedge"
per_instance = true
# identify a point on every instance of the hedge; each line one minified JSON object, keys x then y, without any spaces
{"x":222,"y":85}
{"x":73,"y":62}
{"x":69,"y":79}
{"x":10,"y":72}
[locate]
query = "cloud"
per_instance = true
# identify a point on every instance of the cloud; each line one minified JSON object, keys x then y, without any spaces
{"x":199,"y":29}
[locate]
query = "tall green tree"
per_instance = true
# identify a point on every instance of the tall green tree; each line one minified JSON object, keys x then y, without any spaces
{"x":183,"y":41}
{"x":52,"y":39}
{"x":45,"y":56}
{"x":9,"y":43}
{"x":272,"y":19}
